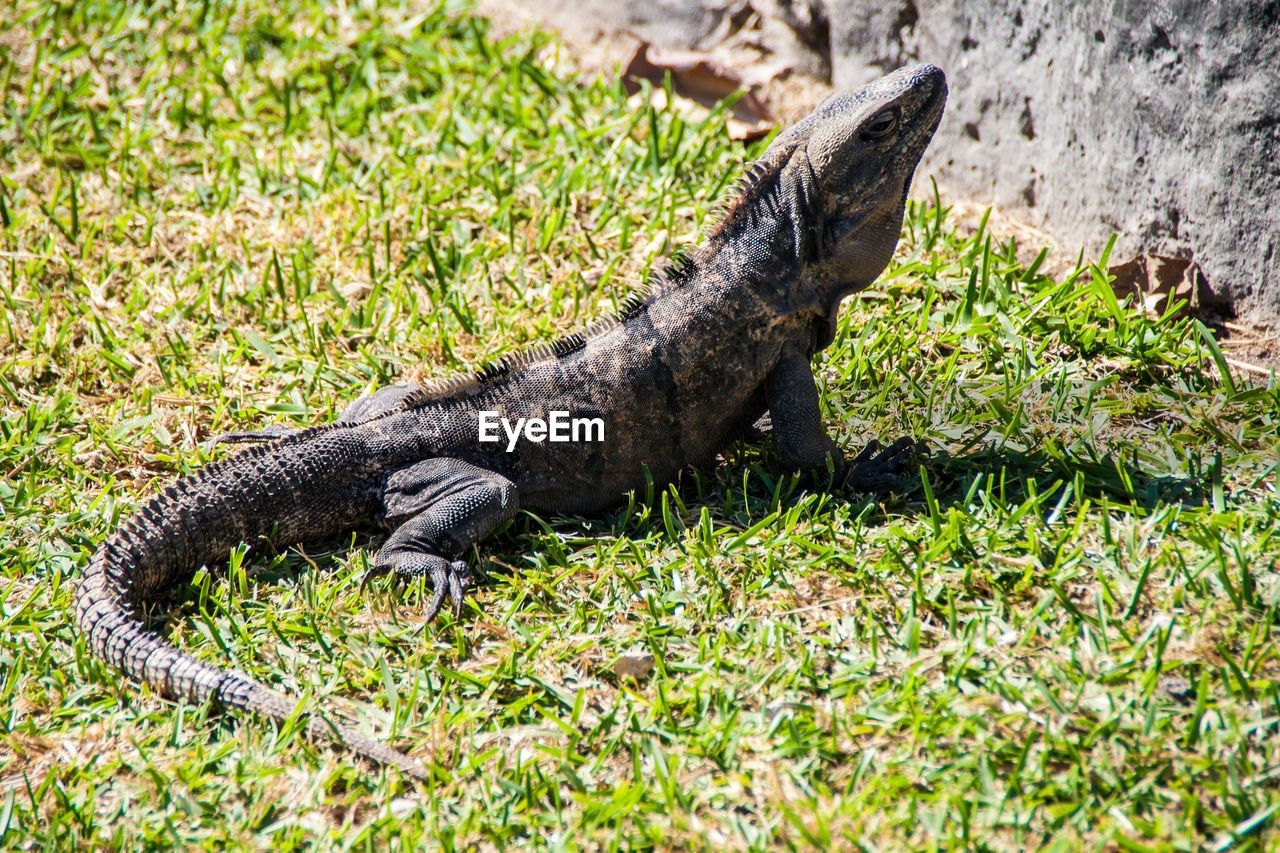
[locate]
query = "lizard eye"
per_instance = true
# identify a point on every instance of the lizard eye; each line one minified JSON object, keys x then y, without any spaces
{"x":881,"y":126}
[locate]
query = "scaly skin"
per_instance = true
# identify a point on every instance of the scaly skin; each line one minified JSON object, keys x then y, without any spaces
{"x":726,"y":338}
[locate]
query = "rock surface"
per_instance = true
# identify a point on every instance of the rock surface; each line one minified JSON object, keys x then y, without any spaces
{"x":1159,"y":122}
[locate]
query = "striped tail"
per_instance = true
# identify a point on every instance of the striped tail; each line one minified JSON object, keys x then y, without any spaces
{"x":198,"y":521}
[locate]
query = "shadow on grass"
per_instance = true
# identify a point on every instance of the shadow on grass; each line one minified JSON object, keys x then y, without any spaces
{"x":1014,"y":476}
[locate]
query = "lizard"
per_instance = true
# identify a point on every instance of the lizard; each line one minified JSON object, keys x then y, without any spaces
{"x":723,"y":340}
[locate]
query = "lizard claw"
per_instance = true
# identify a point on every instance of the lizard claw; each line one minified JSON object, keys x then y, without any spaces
{"x":878,"y":469}
{"x":439,"y":585}
{"x":377,"y":570}
{"x":451,"y":579}
{"x":456,"y":591}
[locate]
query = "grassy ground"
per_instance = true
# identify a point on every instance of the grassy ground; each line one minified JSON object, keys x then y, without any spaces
{"x":217,"y":216}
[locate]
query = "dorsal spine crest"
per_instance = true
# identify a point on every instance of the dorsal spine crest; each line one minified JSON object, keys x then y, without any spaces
{"x":676,"y":272}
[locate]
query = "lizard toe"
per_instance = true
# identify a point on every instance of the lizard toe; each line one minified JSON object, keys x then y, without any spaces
{"x":439,"y":570}
{"x":460,"y":580}
{"x":434,"y":605}
{"x":880,"y":469}
{"x":868,"y":453}
{"x":377,"y":570}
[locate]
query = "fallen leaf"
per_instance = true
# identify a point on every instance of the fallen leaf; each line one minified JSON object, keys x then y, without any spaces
{"x":1157,"y":280}
{"x":637,"y":665}
{"x":355,"y":290}
{"x":702,"y":78}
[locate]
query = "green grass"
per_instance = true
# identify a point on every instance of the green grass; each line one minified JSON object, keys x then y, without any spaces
{"x":217,"y":216}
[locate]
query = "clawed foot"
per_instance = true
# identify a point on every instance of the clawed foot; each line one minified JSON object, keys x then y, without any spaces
{"x":451,"y":578}
{"x":880,"y":470}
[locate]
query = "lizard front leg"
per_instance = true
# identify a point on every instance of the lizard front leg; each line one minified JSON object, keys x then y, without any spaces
{"x":443,"y":506}
{"x":805,"y":446}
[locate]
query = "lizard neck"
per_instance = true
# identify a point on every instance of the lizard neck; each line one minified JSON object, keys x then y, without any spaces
{"x":770,"y":239}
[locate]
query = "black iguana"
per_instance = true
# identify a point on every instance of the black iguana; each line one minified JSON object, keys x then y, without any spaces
{"x":671,"y":380}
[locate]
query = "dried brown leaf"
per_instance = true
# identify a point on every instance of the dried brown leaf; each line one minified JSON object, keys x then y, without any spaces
{"x":703,"y":78}
{"x":1156,"y":280}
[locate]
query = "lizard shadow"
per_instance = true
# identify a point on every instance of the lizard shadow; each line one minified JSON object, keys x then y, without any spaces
{"x":1018,"y":475}
{"x":743,"y":488}
{"x":747,"y":488}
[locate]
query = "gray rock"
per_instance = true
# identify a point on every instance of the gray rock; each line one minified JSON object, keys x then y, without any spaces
{"x":1159,"y":122}
{"x":675,"y":24}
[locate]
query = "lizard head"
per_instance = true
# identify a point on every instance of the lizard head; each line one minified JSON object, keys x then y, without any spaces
{"x":861,"y":149}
